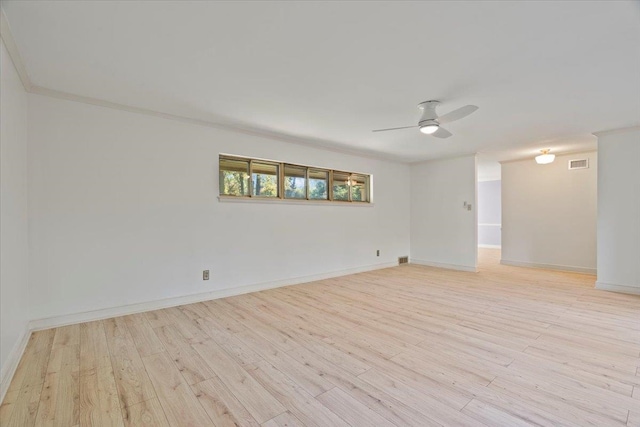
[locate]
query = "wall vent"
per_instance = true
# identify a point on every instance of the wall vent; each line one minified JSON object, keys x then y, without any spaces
{"x":403,"y":260}
{"x":578,"y":164}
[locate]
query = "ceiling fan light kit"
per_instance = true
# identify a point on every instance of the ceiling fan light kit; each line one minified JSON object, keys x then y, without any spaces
{"x":545,"y":158}
{"x":429,"y":128}
{"x":430,"y":123}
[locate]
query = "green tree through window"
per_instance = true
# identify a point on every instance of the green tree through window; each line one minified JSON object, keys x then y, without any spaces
{"x":264,"y":179}
{"x":243,"y":177}
{"x":234,"y":177}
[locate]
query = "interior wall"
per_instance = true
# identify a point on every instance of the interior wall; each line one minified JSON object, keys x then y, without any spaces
{"x":619,"y":211}
{"x":489,"y":213}
{"x":443,"y":231}
{"x":124,"y":210}
{"x":14,"y":297}
{"x":549,"y":214}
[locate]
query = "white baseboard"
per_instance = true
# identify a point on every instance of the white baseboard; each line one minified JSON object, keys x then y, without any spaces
{"x":624,"y":289}
{"x":105,"y":313}
{"x":11,"y":364}
{"x":443,"y":265}
{"x":573,"y":269}
{"x":8,"y":370}
{"x":490,"y":246}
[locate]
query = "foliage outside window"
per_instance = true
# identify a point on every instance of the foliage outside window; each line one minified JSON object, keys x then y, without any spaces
{"x":318,"y":184}
{"x":234,"y":177}
{"x":264,"y":179}
{"x":340,"y":186}
{"x":295,"y":182}
{"x":243,"y":177}
{"x":358,"y":186}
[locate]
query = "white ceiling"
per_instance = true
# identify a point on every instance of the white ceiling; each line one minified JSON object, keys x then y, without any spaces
{"x":544,"y":74}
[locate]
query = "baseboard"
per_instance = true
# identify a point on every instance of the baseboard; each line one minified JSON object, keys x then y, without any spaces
{"x":88,"y":316}
{"x":6,"y":375}
{"x":444,"y":265}
{"x":570,"y":268}
{"x":490,"y":246}
{"x":11,"y":364}
{"x":624,"y":289}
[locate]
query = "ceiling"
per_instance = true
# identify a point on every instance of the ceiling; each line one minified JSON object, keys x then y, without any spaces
{"x":544,"y":74}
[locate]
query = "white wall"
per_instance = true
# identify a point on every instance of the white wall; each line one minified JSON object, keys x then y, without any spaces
{"x":489,"y":213}
{"x":124,"y":210}
{"x":619,"y":211}
{"x":14,"y":302}
{"x":549,"y":214}
{"x":443,"y":232}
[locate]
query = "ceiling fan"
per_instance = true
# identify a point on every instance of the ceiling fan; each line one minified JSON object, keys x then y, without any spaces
{"x":430,"y":122}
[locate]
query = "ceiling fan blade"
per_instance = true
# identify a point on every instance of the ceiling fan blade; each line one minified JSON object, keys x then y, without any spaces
{"x":384,"y":130}
{"x":442,"y":133}
{"x":457,"y":114}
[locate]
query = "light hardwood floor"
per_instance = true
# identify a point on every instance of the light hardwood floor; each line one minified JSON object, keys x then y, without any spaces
{"x":405,"y":346}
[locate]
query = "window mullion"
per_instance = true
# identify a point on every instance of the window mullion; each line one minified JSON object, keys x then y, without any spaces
{"x":250,"y":178}
{"x":330,"y":189}
{"x":281,"y":181}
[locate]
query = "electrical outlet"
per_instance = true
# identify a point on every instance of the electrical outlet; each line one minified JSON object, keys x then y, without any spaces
{"x":378,"y":252}
{"x":205,"y":275}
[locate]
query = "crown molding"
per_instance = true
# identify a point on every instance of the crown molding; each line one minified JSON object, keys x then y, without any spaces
{"x":615,"y":131}
{"x":221,"y":124}
{"x":12,"y":48}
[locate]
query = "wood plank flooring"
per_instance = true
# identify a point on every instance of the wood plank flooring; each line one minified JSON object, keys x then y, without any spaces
{"x":404,"y":346}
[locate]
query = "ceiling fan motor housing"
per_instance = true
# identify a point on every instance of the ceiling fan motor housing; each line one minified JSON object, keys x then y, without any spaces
{"x":428,"y":122}
{"x":429,"y":116}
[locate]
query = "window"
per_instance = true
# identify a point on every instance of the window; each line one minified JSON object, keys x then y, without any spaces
{"x":264,"y":179}
{"x":359,"y":185}
{"x":256,"y":178}
{"x":295,"y":182}
{"x":234,"y":177}
{"x":351,"y":187}
{"x":318,"y":184}
{"x":341,"y":186}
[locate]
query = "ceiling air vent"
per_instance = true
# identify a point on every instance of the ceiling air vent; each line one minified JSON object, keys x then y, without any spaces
{"x":403,"y":260}
{"x":578,"y":164}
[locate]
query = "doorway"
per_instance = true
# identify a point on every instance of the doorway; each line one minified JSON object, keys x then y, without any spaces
{"x":489,"y":209}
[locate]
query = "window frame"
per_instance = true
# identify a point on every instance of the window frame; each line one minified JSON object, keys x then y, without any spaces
{"x":279,"y":174}
{"x":348,"y":187}
{"x":248,"y":172}
{"x":306,"y":181}
{"x":281,"y":183}
{"x":328,"y":174}
{"x":365,"y":187}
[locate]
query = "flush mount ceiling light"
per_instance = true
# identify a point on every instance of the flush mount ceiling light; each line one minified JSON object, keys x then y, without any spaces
{"x":545,"y":158}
